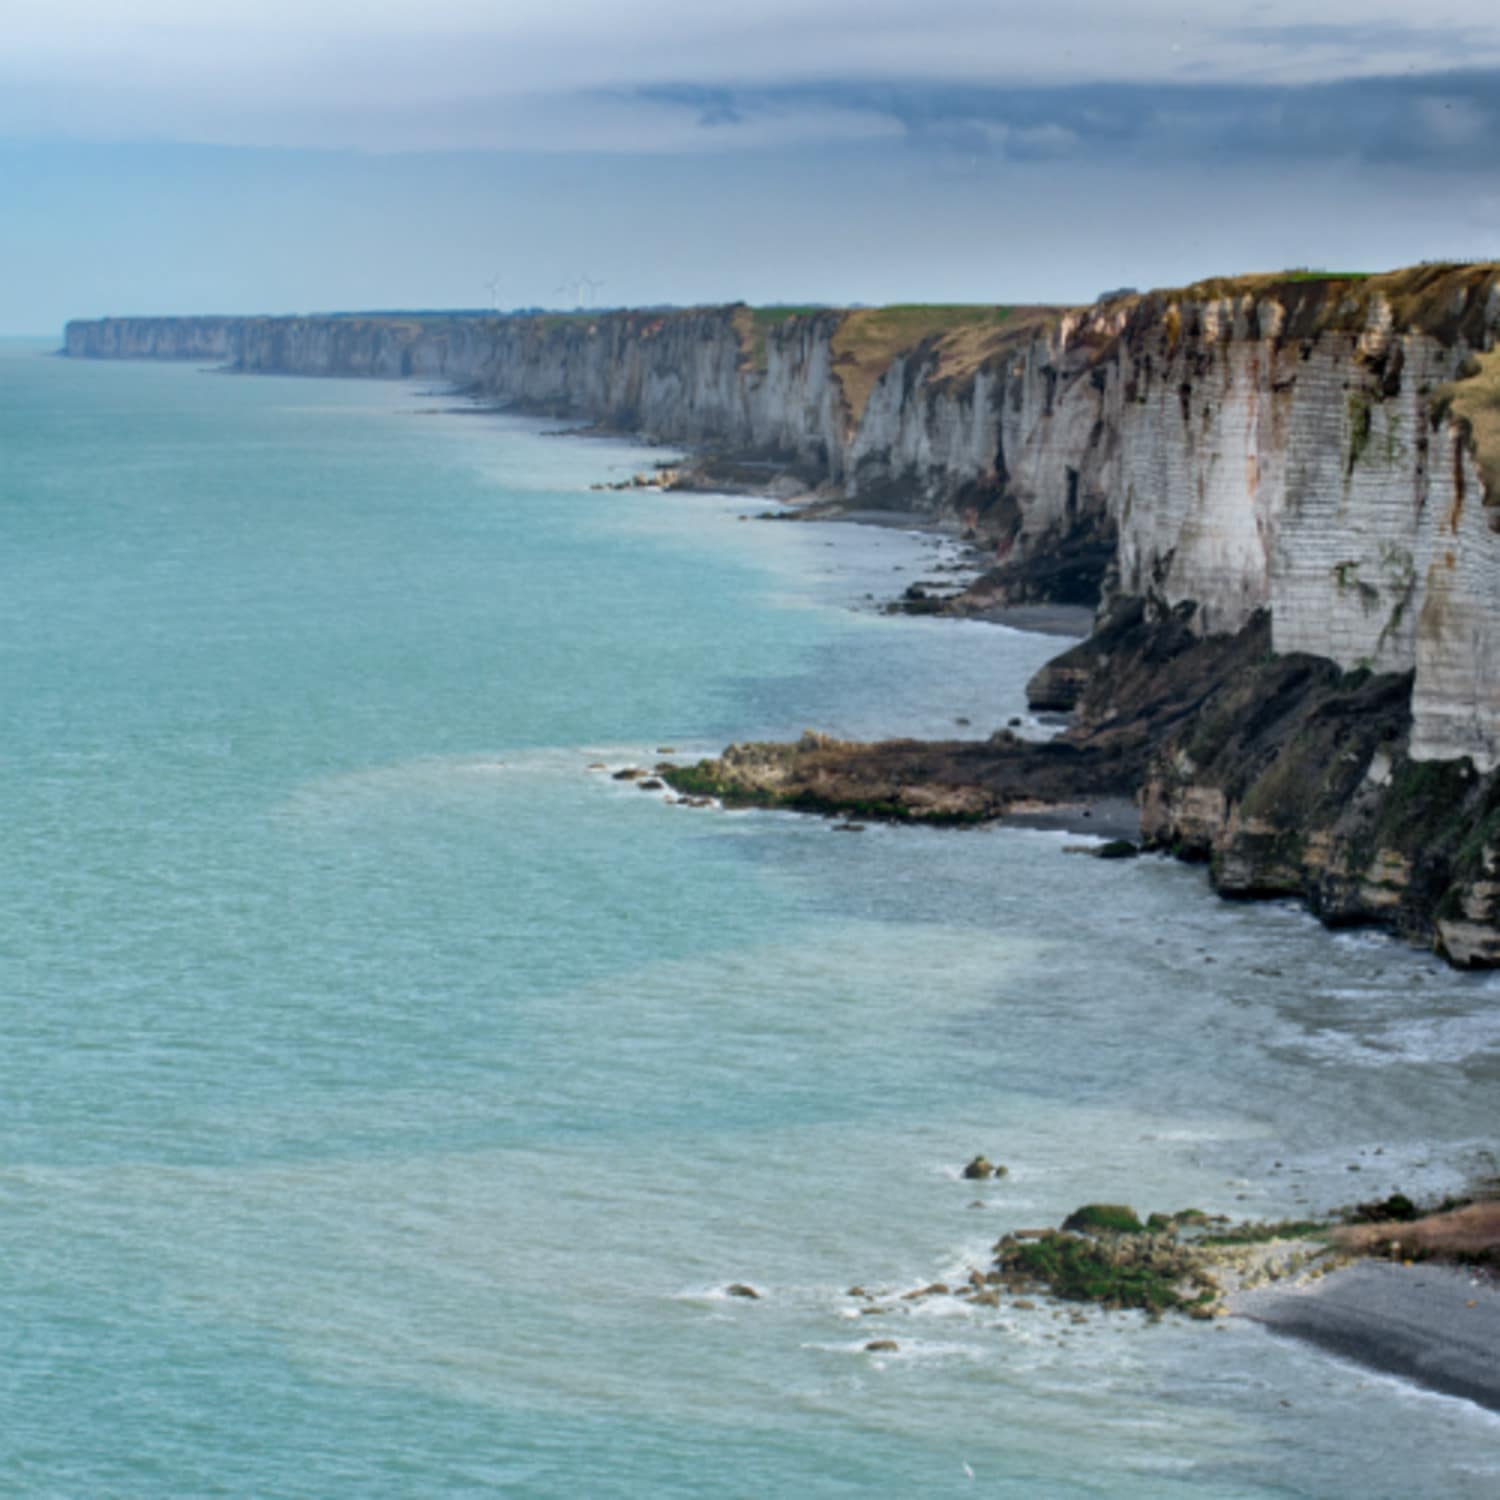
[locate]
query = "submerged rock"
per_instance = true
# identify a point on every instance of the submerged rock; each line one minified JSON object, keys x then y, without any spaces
{"x":936,"y":1289}
{"x":982,"y":1168}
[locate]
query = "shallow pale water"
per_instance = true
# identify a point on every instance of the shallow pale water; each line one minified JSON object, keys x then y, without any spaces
{"x":387,"y":1099}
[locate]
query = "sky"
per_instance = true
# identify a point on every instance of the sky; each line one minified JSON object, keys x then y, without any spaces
{"x":172,"y":156}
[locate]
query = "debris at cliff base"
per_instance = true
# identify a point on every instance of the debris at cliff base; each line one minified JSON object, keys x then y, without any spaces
{"x":1067,"y":566}
{"x":1292,"y":778}
{"x":658,"y":479}
{"x":1283,"y":774}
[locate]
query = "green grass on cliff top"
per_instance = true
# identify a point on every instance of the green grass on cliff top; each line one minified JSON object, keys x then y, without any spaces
{"x":1302,"y":273}
{"x":868,"y":339}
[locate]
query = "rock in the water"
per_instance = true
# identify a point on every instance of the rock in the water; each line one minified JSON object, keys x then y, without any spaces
{"x":1117,"y":849}
{"x":739,"y":1289}
{"x":937,"y":1289}
{"x":882,"y":1346}
{"x":979,"y":1169}
{"x":651,"y":784}
{"x":630,"y":773}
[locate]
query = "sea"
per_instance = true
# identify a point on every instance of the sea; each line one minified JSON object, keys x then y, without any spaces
{"x":389,"y":1097}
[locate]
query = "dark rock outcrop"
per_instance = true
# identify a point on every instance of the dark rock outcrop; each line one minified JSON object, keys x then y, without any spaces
{"x":1285,"y":775}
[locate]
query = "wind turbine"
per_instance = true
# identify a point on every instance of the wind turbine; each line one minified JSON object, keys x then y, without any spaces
{"x":492,"y":286}
{"x":573,"y":288}
{"x":592,"y":285}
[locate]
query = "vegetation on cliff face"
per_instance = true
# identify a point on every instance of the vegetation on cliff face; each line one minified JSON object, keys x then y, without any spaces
{"x":866,"y":341}
{"x":869,"y":340}
{"x":1473,"y":401}
{"x":754,"y":324}
{"x":1446,"y":299}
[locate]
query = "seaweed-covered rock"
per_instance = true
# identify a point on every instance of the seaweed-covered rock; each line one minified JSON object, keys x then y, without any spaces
{"x":1152,"y":1272}
{"x":1103,"y":1218}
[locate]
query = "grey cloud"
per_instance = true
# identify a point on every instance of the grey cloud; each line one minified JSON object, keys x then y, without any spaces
{"x":1360,"y":38}
{"x":1409,"y":119}
{"x":1078,"y":78}
{"x":713,"y":106}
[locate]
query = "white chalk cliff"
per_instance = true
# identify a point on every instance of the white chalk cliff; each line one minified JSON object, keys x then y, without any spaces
{"x":1264,"y":443}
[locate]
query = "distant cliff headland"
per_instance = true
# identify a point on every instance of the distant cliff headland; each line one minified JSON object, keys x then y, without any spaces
{"x":1282,"y":491}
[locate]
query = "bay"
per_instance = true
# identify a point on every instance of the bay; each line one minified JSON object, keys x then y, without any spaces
{"x":387,"y":1098}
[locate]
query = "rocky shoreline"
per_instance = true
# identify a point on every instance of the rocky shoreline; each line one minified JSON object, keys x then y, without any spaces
{"x":1284,"y":775}
{"x":1413,"y":1295}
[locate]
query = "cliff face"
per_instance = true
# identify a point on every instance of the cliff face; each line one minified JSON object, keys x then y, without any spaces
{"x":1287,"y":456}
{"x":1260,"y":444}
{"x":154,"y":338}
{"x":1286,"y":492}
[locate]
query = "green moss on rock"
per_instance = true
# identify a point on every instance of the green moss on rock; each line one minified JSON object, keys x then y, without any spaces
{"x":1104,"y":1218}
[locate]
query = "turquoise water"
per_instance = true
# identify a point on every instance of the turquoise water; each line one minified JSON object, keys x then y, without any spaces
{"x":387,"y":1098}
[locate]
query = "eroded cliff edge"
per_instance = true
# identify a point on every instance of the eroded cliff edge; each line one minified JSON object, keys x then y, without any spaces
{"x":1253,"y":471}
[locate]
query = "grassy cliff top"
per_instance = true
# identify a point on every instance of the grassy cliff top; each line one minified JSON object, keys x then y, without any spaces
{"x":1447,"y":299}
{"x":868,"y":340}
